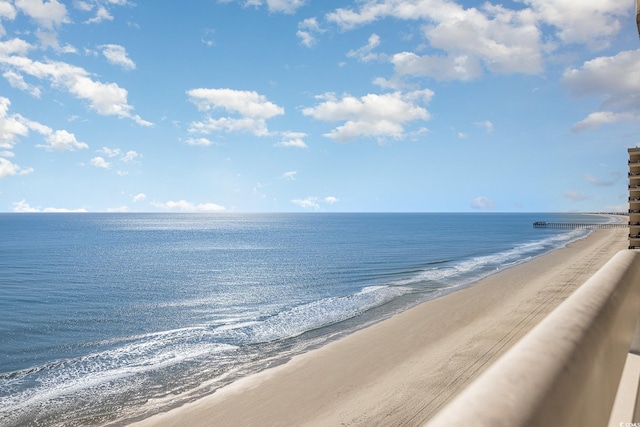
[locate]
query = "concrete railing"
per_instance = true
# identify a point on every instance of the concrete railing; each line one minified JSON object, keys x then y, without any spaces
{"x":565,"y":371}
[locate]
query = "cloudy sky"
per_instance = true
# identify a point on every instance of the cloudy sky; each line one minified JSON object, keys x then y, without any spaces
{"x":317,"y":105}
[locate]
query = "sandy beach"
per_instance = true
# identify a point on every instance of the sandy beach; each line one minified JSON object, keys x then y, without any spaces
{"x":401,"y":371}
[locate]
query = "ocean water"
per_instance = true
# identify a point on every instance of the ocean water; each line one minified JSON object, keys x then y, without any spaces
{"x":105,"y":318}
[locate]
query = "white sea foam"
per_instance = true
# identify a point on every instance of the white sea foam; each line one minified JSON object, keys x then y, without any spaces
{"x":313,"y":315}
{"x":101,"y":370}
{"x":469,"y":270}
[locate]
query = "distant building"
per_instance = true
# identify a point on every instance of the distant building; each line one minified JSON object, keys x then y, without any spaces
{"x":634,"y":197}
{"x":634,"y":179}
{"x":638,"y":15}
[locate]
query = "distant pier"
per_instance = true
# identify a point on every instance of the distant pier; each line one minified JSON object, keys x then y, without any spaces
{"x":544,"y":224}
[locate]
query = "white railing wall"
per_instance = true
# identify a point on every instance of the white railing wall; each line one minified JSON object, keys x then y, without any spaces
{"x":565,"y":371}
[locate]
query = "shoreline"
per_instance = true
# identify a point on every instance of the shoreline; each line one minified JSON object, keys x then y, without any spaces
{"x":402,"y":370}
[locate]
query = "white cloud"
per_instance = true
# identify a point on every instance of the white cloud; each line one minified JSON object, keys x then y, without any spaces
{"x":574,"y":21}
{"x":461,"y":67}
{"x":308,"y":203}
{"x":7,"y":168}
{"x":184,"y":206}
{"x":228,"y":124}
{"x":600,"y":118}
{"x":206,"y":39}
{"x":61,"y":140}
{"x":15,"y":47}
{"x":483,"y":203}
{"x":606,"y":75}
{"x":492,"y":37}
{"x":246,"y":103}
{"x":586,"y":21}
{"x":615,"y":177}
{"x":66,"y":49}
{"x":14,"y":126}
{"x":307,"y":31}
{"x":281,"y":6}
{"x":102,"y":14}
{"x":496,"y":39}
{"x":575,"y":196}
{"x":23,"y":206}
{"x":331,"y":200}
{"x":204,"y":142}
{"x":613,"y":79}
{"x":292,"y":142}
{"x":371,"y":115}
{"x":487,"y":125}
{"x":313,"y":203}
{"x":16,"y":80}
{"x":105,"y":98}
{"x":110,"y":152}
{"x":130,"y":156}
{"x":117,"y":55}
{"x":365,"y":53}
{"x":48,"y":39}
{"x":310,"y":24}
{"x":48,"y":14}
{"x":306,"y":38}
{"x":139,"y":197}
{"x":82,"y":5}
{"x":289,"y":176}
{"x":394,"y":83}
{"x":252,"y":108}
{"x":285,"y":6}
{"x":370,"y":11}
{"x":11,"y":126}
{"x":504,"y":40}
{"x":7,"y":11}
{"x":100,"y":162}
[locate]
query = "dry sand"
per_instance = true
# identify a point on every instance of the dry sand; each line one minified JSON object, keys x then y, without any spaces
{"x":401,"y":371}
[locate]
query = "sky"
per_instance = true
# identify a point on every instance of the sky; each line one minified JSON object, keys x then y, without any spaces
{"x":317,"y":105}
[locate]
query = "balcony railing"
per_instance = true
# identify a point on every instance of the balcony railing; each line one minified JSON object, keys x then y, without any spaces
{"x":565,"y":371}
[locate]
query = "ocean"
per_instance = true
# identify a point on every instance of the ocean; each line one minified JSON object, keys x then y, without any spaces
{"x":107,"y":318}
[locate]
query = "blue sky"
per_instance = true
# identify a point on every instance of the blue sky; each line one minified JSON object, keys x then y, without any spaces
{"x":317,"y":105}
